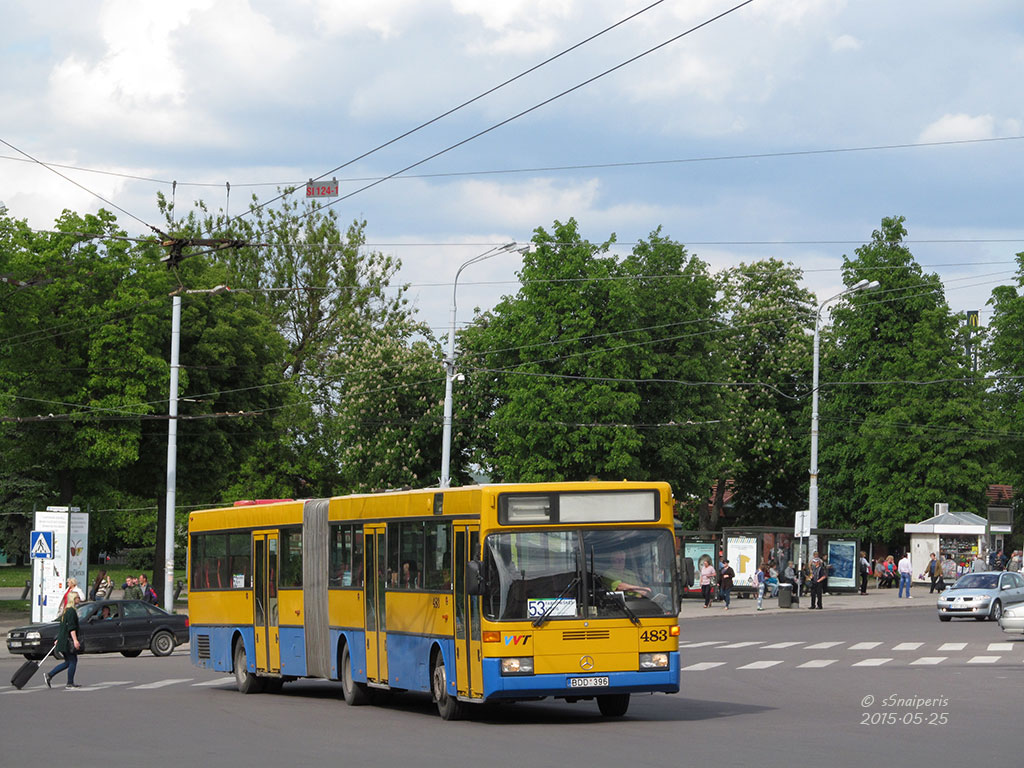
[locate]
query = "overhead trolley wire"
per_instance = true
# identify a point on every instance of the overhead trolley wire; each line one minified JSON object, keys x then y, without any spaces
{"x":574,"y":167}
{"x":83,"y":187}
{"x":537,"y":106}
{"x":472,"y":100}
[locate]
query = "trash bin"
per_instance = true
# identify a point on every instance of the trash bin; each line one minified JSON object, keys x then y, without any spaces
{"x":785,"y":595}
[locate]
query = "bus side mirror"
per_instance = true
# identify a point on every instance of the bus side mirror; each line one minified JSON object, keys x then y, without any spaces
{"x":688,"y":575}
{"x":474,"y":578}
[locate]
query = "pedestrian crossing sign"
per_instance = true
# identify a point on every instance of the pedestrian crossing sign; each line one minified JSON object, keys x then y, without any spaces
{"x":41,"y":544}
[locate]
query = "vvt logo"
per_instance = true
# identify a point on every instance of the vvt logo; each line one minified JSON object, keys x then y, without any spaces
{"x":516,"y":639}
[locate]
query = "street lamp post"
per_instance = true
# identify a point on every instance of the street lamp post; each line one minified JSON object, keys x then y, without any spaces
{"x":812,"y":502}
{"x":172,"y":443}
{"x":449,"y":365}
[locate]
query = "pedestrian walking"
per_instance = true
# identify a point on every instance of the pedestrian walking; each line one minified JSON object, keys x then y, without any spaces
{"x":819,"y":574}
{"x":68,"y":644}
{"x":707,"y":578}
{"x":934,"y":573}
{"x":906,"y":571}
{"x":725,"y":581}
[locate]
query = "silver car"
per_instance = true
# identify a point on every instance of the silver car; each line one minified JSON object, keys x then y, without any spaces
{"x":1012,"y":619}
{"x":981,"y":595}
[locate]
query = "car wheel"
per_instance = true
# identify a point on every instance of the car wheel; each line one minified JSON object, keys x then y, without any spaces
{"x":613,"y":704}
{"x":355,"y":693}
{"x":448,"y":707}
{"x":997,"y":611}
{"x":131,"y":654}
{"x":246,"y":681}
{"x":162,"y":643}
{"x":945,"y":618}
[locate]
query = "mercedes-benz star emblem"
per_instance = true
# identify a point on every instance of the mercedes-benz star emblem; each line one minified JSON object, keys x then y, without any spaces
{"x":586,"y":662}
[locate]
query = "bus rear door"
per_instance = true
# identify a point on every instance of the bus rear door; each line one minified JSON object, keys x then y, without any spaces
{"x":468,"y":645}
{"x":265,"y":613}
{"x":375,"y":569}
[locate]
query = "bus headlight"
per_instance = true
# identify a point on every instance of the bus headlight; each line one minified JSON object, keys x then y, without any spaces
{"x":520,"y":665}
{"x":654,"y":660}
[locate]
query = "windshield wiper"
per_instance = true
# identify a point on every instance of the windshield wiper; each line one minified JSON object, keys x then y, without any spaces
{"x":551,"y":606}
{"x":620,"y":600}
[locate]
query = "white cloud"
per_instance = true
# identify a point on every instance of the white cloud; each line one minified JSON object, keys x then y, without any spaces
{"x":523,"y":206}
{"x":384,"y":18}
{"x":959,"y":127}
{"x":523,"y":26}
{"x":846,"y":43}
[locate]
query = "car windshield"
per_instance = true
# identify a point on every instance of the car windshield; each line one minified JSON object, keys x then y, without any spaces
{"x":977,"y":581}
{"x":579,"y":573}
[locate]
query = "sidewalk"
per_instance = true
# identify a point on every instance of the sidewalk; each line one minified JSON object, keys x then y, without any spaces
{"x":875,"y":599}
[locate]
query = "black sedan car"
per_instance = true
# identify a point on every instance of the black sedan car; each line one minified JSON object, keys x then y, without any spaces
{"x":108,"y":626}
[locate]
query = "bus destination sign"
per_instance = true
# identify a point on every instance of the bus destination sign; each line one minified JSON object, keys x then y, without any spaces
{"x":322,"y":188}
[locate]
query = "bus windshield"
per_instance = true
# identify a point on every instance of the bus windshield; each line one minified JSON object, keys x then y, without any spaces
{"x":577,"y":573}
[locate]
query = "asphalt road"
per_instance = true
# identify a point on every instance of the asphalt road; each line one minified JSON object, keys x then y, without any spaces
{"x":782,"y":688}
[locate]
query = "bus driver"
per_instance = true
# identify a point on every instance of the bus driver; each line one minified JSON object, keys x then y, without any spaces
{"x":619,"y":578}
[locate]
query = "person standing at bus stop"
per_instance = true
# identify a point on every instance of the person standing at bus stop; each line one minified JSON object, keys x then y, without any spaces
{"x":906,"y":574}
{"x":68,"y":644}
{"x":819,"y":573}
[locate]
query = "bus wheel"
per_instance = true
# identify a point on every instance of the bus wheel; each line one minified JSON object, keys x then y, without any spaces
{"x":273,"y":684}
{"x":244,"y":679}
{"x":613,"y":704}
{"x":355,"y":693}
{"x":448,"y":707}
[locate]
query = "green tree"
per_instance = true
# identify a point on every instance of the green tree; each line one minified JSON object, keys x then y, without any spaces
{"x":358,"y":405}
{"x":1003,"y":356}
{"x":77,"y":360}
{"x":903,"y":423}
{"x":768,"y":353}
{"x":83,"y":365}
{"x":588,"y":369}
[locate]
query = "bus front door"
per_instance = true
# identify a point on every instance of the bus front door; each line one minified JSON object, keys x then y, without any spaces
{"x":265,"y":613}
{"x":468,"y":645}
{"x":375,"y":568}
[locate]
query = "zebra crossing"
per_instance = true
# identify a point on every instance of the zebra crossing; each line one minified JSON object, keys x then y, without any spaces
{"x":802,"y":654}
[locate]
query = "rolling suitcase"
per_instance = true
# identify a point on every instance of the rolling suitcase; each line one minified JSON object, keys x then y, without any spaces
{"x":27,"y":670}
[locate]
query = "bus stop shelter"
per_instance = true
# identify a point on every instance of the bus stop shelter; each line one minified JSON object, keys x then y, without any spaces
{"x":698,"y":546}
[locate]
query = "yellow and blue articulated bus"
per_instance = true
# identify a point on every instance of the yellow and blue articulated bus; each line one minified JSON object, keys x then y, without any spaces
{"x":505,"y":592}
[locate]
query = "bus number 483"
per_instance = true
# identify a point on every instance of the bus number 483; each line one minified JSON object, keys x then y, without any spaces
{"x":654,"y":635}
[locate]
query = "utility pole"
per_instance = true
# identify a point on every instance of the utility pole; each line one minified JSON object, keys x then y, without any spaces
{"x":176,"y":253}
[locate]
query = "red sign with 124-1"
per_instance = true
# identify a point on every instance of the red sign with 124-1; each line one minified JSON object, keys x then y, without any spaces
{"x":322,"y":188}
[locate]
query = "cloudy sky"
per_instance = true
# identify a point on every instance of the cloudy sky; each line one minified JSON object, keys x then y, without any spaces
{"x":787,"y":128}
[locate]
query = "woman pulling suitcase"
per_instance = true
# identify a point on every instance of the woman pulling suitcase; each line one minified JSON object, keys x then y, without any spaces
{"x":67,"y":644}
